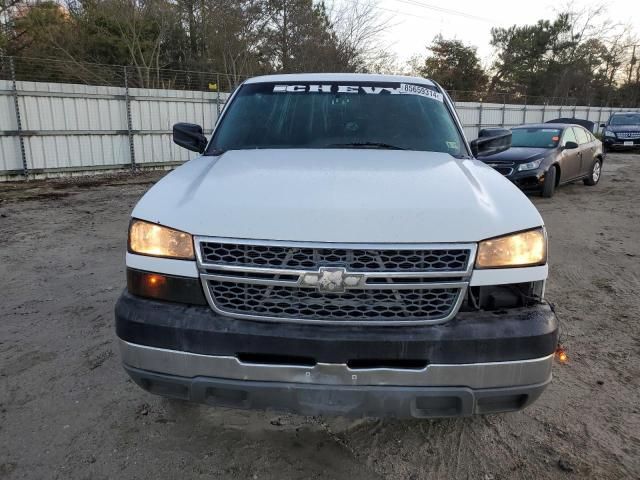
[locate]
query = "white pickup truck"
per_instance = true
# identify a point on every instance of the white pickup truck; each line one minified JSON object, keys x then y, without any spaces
{"x":336,"y":249}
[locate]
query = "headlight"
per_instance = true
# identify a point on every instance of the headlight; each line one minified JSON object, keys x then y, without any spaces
{"x":522,"y":249}
{"x":608,"y":133}
{"x":158,"y":241}
{"x":530,"y":165}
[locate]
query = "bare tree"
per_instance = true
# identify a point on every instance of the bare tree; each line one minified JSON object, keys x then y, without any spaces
{"x":144,"y":29}
{"x":604,"y":44}
{"x":240,"y":35}
{"x":359,"y":28}
{"x":7,"y":9}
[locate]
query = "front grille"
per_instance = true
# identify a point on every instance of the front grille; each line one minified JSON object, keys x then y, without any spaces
{"x":306,"y":303}
{"x":355,"y":260}
{"x":504,"y":168}
{"x":506,"y":171}
{"x":399,"y":285}
{"x":628,"y":135}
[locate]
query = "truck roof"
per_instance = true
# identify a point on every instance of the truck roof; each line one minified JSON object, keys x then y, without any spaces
{"x":339,"y":77}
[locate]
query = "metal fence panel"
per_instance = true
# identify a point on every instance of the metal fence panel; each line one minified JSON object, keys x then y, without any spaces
{"x":10,"y":158}
{"x":153,"y":114}
{"x":74,"y":127}
{"x":84,"y":128}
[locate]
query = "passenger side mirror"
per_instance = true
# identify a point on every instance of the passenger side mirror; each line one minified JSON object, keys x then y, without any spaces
{"x":570,"y":145}
{"x":488,"y":145}
{"x":189,"y":136}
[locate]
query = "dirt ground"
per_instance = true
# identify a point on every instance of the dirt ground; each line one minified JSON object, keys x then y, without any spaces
{"x":67,"y":409}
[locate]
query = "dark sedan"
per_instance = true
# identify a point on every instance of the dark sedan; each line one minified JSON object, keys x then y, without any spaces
{"x":622,"y":131}
{"x":544,"y":156}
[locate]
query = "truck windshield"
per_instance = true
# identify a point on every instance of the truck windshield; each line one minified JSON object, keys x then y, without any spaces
{"x":338,"y":115}
{"x":625,"y":119}
{"x":535,"y":137}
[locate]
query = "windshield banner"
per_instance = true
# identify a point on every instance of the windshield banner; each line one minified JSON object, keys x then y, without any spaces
{"x":403,"y":89}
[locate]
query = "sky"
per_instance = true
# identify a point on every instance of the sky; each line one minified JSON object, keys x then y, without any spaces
{"x":416,"y":22}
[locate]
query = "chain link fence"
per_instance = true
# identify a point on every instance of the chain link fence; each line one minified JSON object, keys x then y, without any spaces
{"x":509,"y":98}
{"x":133,"y":76}
{"x":140,"y":76}
{"x":58,"y":116}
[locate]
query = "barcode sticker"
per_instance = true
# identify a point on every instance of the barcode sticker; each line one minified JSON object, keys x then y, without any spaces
{"x":422,"y":91}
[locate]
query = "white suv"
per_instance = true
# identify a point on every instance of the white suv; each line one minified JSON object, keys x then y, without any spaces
{"x":336,"y":249}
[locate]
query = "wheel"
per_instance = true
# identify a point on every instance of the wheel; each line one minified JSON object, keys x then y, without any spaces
{"x":594,"y":176}
{"x":549,"y":183}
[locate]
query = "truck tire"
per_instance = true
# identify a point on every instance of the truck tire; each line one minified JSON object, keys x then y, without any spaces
{"x":596,"y":173}
{"x":549,"y":183}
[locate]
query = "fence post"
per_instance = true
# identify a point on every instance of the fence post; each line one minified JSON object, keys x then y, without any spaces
{"x":600,"y":117}
{"x":524,"y":111}
{"x":16,"y":104}
{"x":480,"y":117}
{"x":132,"y":151}
{"x":218,"y":97}
{"x":504,"y":107}
{"x":544,"y":110}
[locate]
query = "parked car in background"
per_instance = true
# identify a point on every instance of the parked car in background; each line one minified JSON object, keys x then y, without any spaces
{"x":544,"y":156}
{"x":588,"y":124}
{"x":622,"y":130}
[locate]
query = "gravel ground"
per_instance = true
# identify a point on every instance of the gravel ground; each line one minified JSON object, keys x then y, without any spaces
{"x":67,"y":409}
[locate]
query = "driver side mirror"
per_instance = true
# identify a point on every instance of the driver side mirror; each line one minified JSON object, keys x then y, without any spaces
{"x":570,"y":145}
{"x":489,"y":145}
{"x":603,"y":125}
{"x":189,"y":136}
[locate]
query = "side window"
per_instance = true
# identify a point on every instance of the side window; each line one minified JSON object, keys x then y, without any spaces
{"x":581,"y":135}
{"x":569,"y":136}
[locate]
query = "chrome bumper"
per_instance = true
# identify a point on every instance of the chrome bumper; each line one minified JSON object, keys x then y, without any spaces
{"x":473,"y":375}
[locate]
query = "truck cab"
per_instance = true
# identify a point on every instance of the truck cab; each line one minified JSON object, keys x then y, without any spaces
{"x":336,"y":249}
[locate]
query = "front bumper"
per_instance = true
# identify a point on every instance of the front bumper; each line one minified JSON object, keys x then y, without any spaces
{"x":479,"y":362}
{"x":343,"y":400}
{"x":619,"y":144}
{"x":528,"y":180}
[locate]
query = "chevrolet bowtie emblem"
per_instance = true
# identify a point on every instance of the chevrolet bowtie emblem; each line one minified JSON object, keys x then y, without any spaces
{"x":331,"y":279}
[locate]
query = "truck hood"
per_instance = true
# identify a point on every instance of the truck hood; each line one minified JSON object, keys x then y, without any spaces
{"x":338,"y":195}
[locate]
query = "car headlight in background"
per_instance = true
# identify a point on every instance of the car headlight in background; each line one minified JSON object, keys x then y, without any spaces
{"x":608,"y":133}
{"x":523,"y":249}
{"x":148,"y":238}
{"x":529,"y":165}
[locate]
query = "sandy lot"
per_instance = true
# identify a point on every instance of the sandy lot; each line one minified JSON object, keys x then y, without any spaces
{"x":67,"y":410}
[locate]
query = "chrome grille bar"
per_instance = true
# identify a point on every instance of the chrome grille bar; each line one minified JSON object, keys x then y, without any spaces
{"x":365,"y":286}
{"x":628,"y":135}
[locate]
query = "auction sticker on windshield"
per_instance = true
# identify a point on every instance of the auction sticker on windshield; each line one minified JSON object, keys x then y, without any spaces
{"x":422,"y":91}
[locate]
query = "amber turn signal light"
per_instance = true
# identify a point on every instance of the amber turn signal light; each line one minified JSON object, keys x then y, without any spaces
{"x":561,"y":354}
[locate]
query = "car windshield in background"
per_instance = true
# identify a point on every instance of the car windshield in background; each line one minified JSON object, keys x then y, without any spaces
{"x":338,"y":115}
{"x":535,"y":137}
{"x":625,"y":119}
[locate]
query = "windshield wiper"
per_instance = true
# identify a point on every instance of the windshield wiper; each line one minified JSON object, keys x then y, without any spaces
{"x":387,"y":146}
{"x":215,"y":152}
